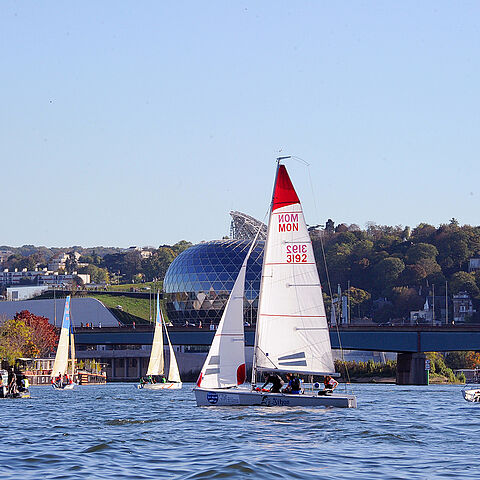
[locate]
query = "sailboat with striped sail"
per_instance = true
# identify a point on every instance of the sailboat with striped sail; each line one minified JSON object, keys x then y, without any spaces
{"x":66,"y":345}
{"x":155,"y":377}
{"x":292,"y":334}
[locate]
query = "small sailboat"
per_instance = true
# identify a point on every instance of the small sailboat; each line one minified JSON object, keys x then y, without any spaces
{"x":292,"y":334}
{"x":155,"y":379}
{"x":59,"y":376}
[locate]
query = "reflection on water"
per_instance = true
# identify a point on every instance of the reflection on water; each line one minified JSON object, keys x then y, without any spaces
{"x":119,"y":432}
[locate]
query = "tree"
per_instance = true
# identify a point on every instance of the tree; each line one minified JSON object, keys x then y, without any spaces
{"x":180,"y":246}
{"x":386,"y":272}
{"x":330,"y":226}
{"x":14,"y":339}
{"x":157,"y":264}
{"x":463,"y":282}
{"x":421,"y":251}
{"x":97,"y":274}
{"x":42,"y":335}
{"x":71,"y":264}
{"x":423,"y":232}
{"x":472,"y":359}
{"x":405,"y":300}
{"x":358,"y":300}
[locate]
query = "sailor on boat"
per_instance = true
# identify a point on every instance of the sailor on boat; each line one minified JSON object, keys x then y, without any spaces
{"x":275,"y":380}
{"x":294,"y":386}
{"x":330,"y":385}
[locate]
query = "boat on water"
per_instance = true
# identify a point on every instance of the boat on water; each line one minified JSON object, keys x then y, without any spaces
{"x":155,"y":378}
{"x":13,"y":384}
{"x":292,"y":334}
{"x":471,"y":394}
{"x":59,"y":377}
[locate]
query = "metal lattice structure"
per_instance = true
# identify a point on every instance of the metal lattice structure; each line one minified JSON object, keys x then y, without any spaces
{"x":245,"y":227}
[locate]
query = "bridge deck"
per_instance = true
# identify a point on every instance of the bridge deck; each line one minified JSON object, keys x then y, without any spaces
{"x":387,"y":339}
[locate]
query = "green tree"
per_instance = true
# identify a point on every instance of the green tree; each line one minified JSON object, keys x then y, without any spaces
{"x":463,"y":282}
{"x":156,"y":265}
{"x":15,"y":336}
{"x":421,"y":251}
{"x":386,"y":272}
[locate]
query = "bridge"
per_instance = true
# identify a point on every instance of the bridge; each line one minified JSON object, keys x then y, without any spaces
{"x":409,"y":342}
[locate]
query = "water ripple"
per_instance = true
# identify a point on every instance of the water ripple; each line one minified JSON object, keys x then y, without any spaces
{"x":117,"y":432}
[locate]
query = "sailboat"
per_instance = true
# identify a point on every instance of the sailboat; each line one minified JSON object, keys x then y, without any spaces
{"x":292,"y":334}
{"x":59,"y":375}
{"x":155,"y":379}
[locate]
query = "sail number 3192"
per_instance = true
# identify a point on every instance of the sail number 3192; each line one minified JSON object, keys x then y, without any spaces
{"x":296,"y":253}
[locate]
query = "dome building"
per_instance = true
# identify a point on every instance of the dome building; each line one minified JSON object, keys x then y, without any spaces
{"x":199,"y":281}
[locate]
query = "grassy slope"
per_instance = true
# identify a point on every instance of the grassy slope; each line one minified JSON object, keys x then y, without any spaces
{"x":136,"y":306}
{"x":140,"y":287}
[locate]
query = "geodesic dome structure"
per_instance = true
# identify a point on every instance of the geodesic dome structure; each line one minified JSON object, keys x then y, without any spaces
{"x":198,"y":282}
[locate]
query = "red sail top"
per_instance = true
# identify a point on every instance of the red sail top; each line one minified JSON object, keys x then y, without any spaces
{"x":284,"y":193}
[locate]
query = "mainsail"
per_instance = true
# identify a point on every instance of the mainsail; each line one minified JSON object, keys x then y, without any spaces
{"x":156,"y":363}
{"x":61,"y":357}
{"x":225,"y":363}
{"x":292,"y":330}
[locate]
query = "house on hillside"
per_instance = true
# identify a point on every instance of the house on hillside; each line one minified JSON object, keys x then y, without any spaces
{"x":462,"y":307}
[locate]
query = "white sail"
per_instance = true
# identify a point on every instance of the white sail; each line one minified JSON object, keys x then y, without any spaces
{"x":61,"y":357}
{"x":225,"y":363}
{"x":292,"y":331}
{"x":173,"y":372}
{"x":72,"y":355}
{"x":156,"y":363}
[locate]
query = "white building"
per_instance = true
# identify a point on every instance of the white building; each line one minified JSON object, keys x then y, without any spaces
{"x":39,"y":277}
{"x":473,"y":264}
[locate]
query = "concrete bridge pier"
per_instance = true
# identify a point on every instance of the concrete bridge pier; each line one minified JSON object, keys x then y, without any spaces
{"x":411,"y":369}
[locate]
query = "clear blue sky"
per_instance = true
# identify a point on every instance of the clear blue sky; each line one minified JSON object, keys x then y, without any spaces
{"x":144,"y":123}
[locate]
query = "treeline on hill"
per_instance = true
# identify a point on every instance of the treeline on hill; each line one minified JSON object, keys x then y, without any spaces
{"x":390,"y":270}
{"x":103,"y":264}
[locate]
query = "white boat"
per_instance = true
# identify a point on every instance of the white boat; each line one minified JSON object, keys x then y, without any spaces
{"x":471,"y":394}
{"x":292,"y":333}
{"x":156,"y":365}
{"x":66,"y":344}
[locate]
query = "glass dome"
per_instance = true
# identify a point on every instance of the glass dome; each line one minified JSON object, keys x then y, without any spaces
{"x":198,"y":282}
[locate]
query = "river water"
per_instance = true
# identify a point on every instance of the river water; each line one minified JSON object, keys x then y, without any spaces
{"x":117,"y":432}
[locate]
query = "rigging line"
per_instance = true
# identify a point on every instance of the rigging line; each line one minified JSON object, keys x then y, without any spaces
{"x":328,"y":278}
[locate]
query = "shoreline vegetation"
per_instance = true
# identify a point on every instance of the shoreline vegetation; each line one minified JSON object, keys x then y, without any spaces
{"x":375,"y":372}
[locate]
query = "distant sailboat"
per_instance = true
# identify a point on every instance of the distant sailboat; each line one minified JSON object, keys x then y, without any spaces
{"x":155,"y":379}
{"x":59,"y":376}
{"x":292,"y":334}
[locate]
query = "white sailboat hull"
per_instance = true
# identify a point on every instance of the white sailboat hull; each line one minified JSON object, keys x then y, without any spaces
{"x":70,"y":386}
{"x":471,"y":395}
{"x":243,"y":397}
{"x":162,"y":386}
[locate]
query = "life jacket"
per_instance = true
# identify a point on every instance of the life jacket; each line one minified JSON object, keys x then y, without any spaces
{"x":295,"y":384}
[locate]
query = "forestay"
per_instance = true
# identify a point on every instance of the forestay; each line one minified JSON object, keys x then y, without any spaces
{"x":292,"y":331}
{"x":61,"y":357}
